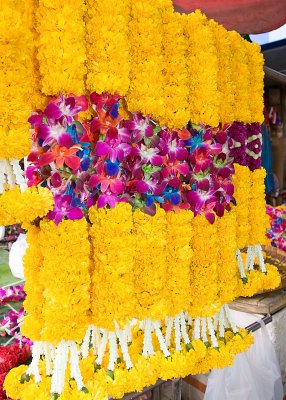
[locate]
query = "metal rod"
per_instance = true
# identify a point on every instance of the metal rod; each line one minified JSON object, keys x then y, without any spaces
{"x":275,"y":75}
{"x":256,"y":325}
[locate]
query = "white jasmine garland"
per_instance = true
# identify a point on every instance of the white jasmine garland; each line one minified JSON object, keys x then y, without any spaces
{"x":169,"y":326}
{"x":37,"y":351}
{"x":221,"y":323}
{"x":113,"y":353}
{"x":184,"y":329}
{"x":204,"y":330}
{"x":74,"y":363}
{"x":250,"y":257}
{"x":123,"y":340}
{"x":19,"y":174}
{"x":259,"y":255}
{"x":240,"y":263}
{"x":148,"y":349}
{"x":212,"y":332}
{"x":177,"y":332}
{"x":196,"y":332}
{"x":86,"y":341}
{"x":161,"y":339}
{"x":102,"y":347}
{"x":60,"y":365}
{"x":229,"y":318}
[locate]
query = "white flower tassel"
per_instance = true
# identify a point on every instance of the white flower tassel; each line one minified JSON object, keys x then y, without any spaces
{"x":148,"y":349}
{"x":61,"y":360}
{"x":169,"y":326}
{"x":259,"y":255}
{"x":240,"y":264}
{"x":37,"y":351}
{"x":74,"y":365}
{"x":184,"y":332}
{"x":229,"y":318}
{"x":204,"y":330}
{"x":102,"y":347}
{"x":222,"y":323}
{"x":95,"y":339}
{"x":7,"y":175}
{"x":113,"y":353}
{"x":212,"y":332}
{"x":250,"y":257}
{"x":19,"y":174}
{"x":189,"y":320}
{"x":123,"y":340}
{"x":84,"y":350}
{"x":196,"y":332}
{"x":161,"y":339}
{"x":216,"y":320}
{"x":177,"y":327}
{"x":49,"y":353}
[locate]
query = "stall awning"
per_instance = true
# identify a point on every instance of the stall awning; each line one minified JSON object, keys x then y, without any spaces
{"x":244,"y":16}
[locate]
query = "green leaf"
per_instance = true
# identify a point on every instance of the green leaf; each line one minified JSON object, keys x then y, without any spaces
{"x":189,"y":347}
{"x":157,"y":129}
{"x":55,"y":396}
{"x":111,"y":374}
{"x":207,"y":344}
{"x":84,"y":390}
{"x":244,"y":280}
{"x":96,"y":367}
{"x":24,"y":378}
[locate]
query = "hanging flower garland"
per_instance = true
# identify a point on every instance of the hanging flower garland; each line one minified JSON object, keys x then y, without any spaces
{"x":277,"y":229}
{"x":61,"y":31}
{"x":108,"y":45}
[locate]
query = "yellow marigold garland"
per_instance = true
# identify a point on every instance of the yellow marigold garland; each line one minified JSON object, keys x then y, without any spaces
{"x":61,"y":46}
{"x":242,"y":187}
{"x":108,"y":46}
{"x":17,"y":207}
{"x":179,"y":255}
{"x":146,"y":89}
{"x":241,"y":78}
{"x":16,"y":84}
{"x":150,"y":273}
{"x":227,"y":266}
{"x":203,"y":70}
{"x":176,"y":79}
{"x":258,"y":219}
{"x":255,"y":65}
{"x":113,"y":271}
{"x":203,"y":268}
{"x":144,"y":373}
{"x":226,"y":84}
{"x":33,"y":322}
{"x":65,"y":277}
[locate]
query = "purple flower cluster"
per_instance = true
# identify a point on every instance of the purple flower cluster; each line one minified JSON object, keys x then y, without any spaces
{"x":108,"y":159}
{"x":11,"y":294}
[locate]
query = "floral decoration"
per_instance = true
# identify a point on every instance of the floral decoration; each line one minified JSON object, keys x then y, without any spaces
{"x":277,"y":230}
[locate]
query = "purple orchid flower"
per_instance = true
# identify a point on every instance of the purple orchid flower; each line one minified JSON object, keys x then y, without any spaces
{"x":170,"y":144}
{"x":140,"y":127}
{"x":66,"y":108}
{"x":113,"y":148}
{"x":63,"y":208}
{"x":203,"y":195}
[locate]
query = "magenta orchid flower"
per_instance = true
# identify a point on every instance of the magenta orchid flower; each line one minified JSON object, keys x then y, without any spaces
{"x":140,"y":127}
{"x":63,"y":208}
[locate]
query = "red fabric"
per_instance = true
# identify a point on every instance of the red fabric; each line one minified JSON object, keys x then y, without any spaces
{"x":244,"y":16}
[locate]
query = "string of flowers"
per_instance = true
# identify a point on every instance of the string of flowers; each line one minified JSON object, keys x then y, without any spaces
{"x":17,"y":207}
{"x":108,"y":45}
{"x":226,"y":84}
{"x":256,"y":75}
{"x":242,"y":98}
{"x":16,"y":88}
{"x":11,"y":294}
{"x":176,"y":79}
{"x":146,"y":68}
{"x":61,"y":36}
{"x":202,"y":65}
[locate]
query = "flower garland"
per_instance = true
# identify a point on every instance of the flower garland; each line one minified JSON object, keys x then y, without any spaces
{"x":33,"y":304}
{"x":146,"y":67}
{"x":240,"y":70}
{"x":17,"y":207}
{"x":16,"y":48}
{"x":214,"y":351}
{"x":226,"y":84}
{"x":114,"y":265}
{"x":11,"y":294}
{"x":62,"y":245}
{"x":176,"y":79}
{"x":61,"y":31}
{"x":108,"y":45}
{"x":203,"y":71}
{"x":255,"y":66}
